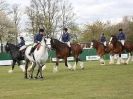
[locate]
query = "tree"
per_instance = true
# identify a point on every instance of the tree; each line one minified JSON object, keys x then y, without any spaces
{"x":49,"y":14}
{"x":16,"y":19}
{"x":93,"y":31}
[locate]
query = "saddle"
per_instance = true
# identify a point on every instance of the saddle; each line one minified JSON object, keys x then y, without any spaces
{"x":38,"y":46}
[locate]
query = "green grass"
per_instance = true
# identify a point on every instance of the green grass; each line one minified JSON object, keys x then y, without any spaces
{"x":94,"y":82}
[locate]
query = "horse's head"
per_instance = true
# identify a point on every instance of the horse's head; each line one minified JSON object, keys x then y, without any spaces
{"x":113,"y":39}
{"x":53,"y":43}
{"x":9,"y":47}
{"x":93,"y":44}
{"x":48,"y":42}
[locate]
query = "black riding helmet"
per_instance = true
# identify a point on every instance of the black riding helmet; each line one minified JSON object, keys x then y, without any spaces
{"x":120,"y":29}
{"x":41,"y":30}
{"x":65,"y":29}
{"x":22,"y":38}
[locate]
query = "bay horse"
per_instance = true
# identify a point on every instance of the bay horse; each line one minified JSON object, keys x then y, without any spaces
{"x":100,"y":50}
{"x":115,"y":48}
{"x":16,"y":55}
{"x":39,"y":58}
{"x":62,"y":52}
{"x":128,"y":46}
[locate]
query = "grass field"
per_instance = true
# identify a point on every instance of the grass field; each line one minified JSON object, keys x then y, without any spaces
{"x":94,"y":82}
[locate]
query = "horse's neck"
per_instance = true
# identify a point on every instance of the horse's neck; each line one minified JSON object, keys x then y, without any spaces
{"x":57,"y":44}
{"x":13,"y":50}
{"x":96,"y":45}
{"x":117,"y":44}
{"x":43,"y":46}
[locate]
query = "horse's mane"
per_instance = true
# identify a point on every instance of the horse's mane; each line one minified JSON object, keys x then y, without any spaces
{"x":56,"y":44}
{"x":57,"y":41}
{"x":96,"y":41}
{"x":12,"y":46}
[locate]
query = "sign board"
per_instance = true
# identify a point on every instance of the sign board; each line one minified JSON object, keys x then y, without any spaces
{"x":69,"y":59}
{"x":5,"y":62}
{"x":95,"y":57}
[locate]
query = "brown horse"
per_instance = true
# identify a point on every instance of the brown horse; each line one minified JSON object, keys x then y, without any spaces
{"x":100,"y":49}
{"x":128,"y":46}
{"x":62,"y":52}
{"x":115,"y":48}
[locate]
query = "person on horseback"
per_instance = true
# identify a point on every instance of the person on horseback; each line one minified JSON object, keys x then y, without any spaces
{"x":37,"y":39}
{"x":121,"y":36}
{"x":22,"y":43}
{"x":103,"y":39}
{"x":66,"y":38}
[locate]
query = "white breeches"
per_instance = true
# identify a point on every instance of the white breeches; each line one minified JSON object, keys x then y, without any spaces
{"x":23,"y":47}
{"x":122,"y":42}
{"x":68,"y":43}
{"x":105,"y":43}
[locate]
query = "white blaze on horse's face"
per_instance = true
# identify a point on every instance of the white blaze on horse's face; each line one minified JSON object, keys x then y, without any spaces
{"x":110,"y":40}
{"x":48,"y":42}
{"x":91,"y":45}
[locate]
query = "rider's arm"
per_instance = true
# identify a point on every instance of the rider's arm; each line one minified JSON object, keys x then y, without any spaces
{"x":35,"y":39}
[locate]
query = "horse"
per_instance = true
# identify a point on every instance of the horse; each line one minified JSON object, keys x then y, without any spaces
{"x":115,"y":48}
{"x":62,"y":52}
{"x":16,"y":55}
{"x":128,"y":46}
{"x":39,"y":58}
{"x":100,"y":50}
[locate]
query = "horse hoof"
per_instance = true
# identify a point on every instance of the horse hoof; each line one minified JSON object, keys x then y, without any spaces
{"x":125,"y":63}
{"x":25,"y":77}
{"x":30,"y":77}
{"x":41,"y":78}
{"x":35,"y":77}
{"x":10,"y":71}
{"x":102,"y":64}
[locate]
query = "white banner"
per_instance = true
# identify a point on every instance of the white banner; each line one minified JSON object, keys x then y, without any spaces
{"x":5,"y":62}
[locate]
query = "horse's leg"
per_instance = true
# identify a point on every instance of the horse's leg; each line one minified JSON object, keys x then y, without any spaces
{"x":30,"y":67}
{"x":75,"y":64}
{"x":67,"y":64}
{"x":26,"y":67}
{"x":129,"y":58}
{"x":102,"y":62}
{"x":55,"y":69}
{"x":118,"y":59}
{"x":41,"y":75}
{"x":13,"y":64}
{"x":43,"y":67}
{"x":132,"y":56}
{"x":32,"y":70}
{"x":111,"y":59}
{"x":21,"y":66}
{"x":38,"y":71}
{"x":81,"y":63}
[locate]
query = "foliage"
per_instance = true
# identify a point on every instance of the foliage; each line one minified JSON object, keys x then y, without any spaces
{"x":94,"y":30}
{"x":52,"y":15}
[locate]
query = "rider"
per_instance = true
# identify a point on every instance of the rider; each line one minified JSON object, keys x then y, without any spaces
{"x":22,"y":43}
{"x":121,"y":36}
{"x":66,"y":38}
{"x":103,"y":39}
{"x":37,"y":39}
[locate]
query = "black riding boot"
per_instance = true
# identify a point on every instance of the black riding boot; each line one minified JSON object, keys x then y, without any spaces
{"x":32,"y":50}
